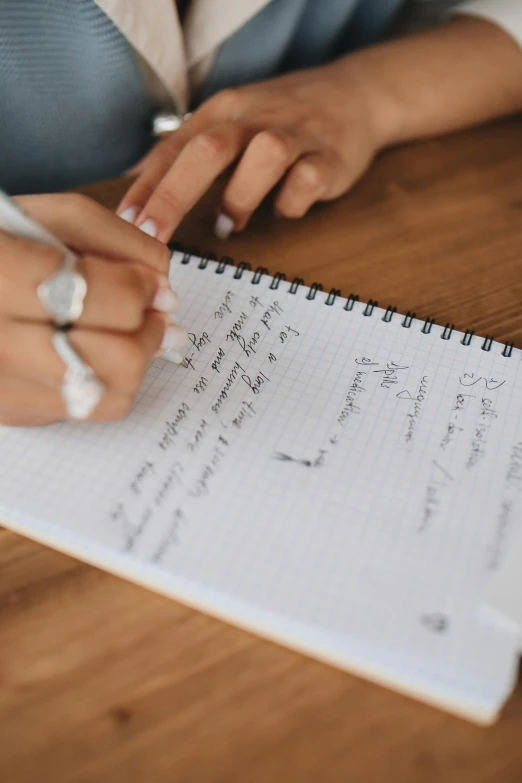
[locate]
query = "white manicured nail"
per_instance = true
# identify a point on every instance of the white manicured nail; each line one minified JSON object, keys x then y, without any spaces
{"x":130,"y":214}
{"x":166,"y":301}
{"x":173,"y":356}
{"x":149,"y":227}
{"x":175,"y":337}
{"x":223,"y":226}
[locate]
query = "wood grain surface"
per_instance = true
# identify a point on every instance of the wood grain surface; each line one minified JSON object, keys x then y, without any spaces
{"x":103,"y":681}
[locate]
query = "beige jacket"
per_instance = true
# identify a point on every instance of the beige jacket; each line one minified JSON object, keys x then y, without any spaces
{"x":177,"y":59}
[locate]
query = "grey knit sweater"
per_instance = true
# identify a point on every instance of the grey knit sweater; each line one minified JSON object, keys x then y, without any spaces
{"x":73,"y":106}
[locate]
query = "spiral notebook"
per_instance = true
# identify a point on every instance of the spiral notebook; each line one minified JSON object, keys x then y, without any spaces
{"x":336,"y":477}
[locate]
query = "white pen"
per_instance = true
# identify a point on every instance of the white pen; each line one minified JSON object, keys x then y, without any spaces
{"x":13,"y":220}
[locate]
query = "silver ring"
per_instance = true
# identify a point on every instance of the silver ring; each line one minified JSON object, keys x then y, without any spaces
{"x":167,"y":122}
{"x":62,"y":293}
{"x":81,"y":390}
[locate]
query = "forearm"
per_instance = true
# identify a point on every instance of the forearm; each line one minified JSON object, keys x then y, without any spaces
{"x":464,"y":72}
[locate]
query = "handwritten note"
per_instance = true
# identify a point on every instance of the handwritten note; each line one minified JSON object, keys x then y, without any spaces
{"x":340,"y":478}
{"x":228,"y":368}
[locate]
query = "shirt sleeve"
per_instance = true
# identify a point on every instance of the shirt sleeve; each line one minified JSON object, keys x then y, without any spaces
{"x":507,"y":14}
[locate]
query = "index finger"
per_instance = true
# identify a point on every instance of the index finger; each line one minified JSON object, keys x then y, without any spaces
{"x":87,"y":227}
{"x":158,"y":161}
{"x":154,"y":166}
{"x":200,"y":162}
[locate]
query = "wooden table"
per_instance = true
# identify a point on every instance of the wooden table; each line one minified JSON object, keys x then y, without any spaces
{"x":103,"y":681}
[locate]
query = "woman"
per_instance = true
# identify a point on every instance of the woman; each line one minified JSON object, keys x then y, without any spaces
{"x":296,"y":94}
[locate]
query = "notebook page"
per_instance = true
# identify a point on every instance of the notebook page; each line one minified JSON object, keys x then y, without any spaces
{"x":333,"y":480}
{"x":505,"y":591}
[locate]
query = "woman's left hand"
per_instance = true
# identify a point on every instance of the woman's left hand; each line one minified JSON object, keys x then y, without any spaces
{"x":312,"y":131}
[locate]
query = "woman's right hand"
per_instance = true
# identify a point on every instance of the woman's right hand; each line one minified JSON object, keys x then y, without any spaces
{"x":125,"y":320}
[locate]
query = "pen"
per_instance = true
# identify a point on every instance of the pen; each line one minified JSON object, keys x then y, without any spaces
{"x":13,"y":220}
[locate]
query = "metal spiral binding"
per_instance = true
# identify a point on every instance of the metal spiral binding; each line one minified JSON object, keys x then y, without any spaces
{"x":332,"y":296}
{"x":314,"y":288}
{"x":466,"y":340}
{"x":388,"y":315}
{"x":368,"y":310}
{"x":188,"y":253}
{"x":352,"y":299}
{"x":296,"y":282}
{"x":205,"y":259}
{"x":428,"y":325}
{"x":488,"y":342}
{"x":279,"y":277}
{"x":241,"y":267}
{"x":408,"y":319}
{"x":258,"y":274}
{"x":224,"y":261}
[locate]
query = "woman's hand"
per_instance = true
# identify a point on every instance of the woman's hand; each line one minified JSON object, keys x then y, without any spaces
{"x":124,"y":323}
{"x":312,"y":131}
{"x":317,"y":131}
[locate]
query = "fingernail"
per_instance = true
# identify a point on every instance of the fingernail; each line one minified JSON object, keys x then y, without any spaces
{"x":130,"y":214}
{"x":175,"y":338}
{"x":223,"y":226}
{"x":149,"y":227}
{"x":173,"y":356}
{"x":166,"y":301}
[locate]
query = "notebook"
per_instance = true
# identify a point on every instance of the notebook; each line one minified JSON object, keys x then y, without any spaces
{"x":328,"y":474}
{"x":504,"y":595}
